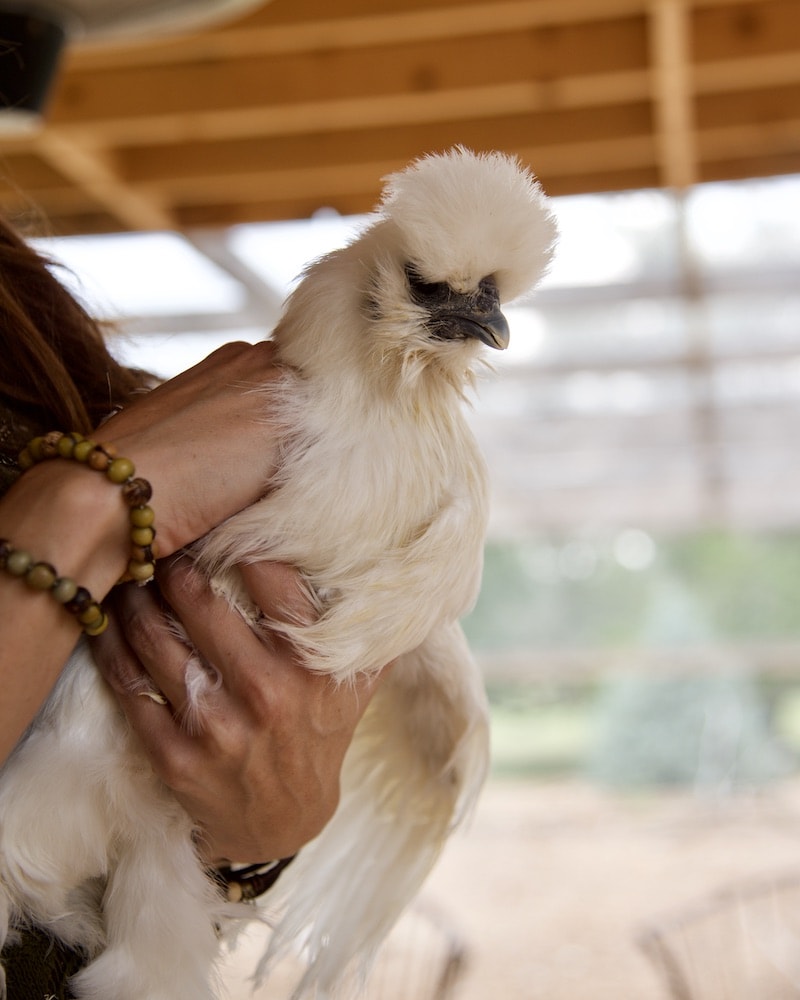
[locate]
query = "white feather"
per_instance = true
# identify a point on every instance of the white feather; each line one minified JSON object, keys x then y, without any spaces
{"x":381,"y":501}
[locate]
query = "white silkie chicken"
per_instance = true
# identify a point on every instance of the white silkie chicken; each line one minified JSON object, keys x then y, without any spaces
{"x":381,"y":500}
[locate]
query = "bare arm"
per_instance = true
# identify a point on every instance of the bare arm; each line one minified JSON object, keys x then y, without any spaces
{"x":65,"y":516}
{"x":204,"y":443}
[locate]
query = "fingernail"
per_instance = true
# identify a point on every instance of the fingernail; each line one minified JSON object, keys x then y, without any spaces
{"x":155,"y":696}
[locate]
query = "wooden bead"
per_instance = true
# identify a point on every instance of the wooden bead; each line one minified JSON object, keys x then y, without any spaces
{"x":142,"y":517}
{"x":67,"y":444}
{"x":64,"y":590}
{"x":144,"y":553}
{"x":83,"y":449}
{"x":98,"y":460}
{"x":79,"y":602}
{"x":142,"y":536}
{"x":25,"y":460}
{"x":96,"y":627}
{"x":35,"y":448}
{"x":137,"y":492}
{"x":120,"y":470}
{"x":41,"y":576}
{"x":141,"y":572}
{"x":18,"y":562}
{"x":90,"y":614}
{"x":49,"y":445}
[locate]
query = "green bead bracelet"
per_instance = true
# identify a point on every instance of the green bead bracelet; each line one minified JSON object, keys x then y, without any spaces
{"x":120,"y":471}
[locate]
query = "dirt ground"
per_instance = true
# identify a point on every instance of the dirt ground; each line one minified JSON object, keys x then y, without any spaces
{"x":552,"y":884}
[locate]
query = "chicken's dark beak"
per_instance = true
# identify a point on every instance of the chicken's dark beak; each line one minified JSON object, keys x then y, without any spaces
{"x":476,"y":315}
{"x":491,"y":327}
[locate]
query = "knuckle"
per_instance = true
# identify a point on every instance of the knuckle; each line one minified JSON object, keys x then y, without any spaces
{"x":318,"y":810}
{"x":117,"y":665}
{"x":229,"y":351}
{"x":174,"y":768}
{"x":232,"y":744}
{"x":183,"y":584}
{"x":259,"y":704}
{"x":145,"y":628}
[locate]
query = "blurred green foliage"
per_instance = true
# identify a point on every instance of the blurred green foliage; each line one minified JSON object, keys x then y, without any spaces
{"x":586,"y":592}
{"x":712,"y":732}
{"x":631,"y":591}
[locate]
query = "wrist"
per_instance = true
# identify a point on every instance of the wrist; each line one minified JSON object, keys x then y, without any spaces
{"x":67,"y":516}
{"x":105,"y":460}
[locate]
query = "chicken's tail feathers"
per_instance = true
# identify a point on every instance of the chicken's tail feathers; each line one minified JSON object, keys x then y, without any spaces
{"x":414,"y":770}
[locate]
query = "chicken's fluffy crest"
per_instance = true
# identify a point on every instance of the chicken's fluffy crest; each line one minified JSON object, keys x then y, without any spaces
{"x":433,"y":203}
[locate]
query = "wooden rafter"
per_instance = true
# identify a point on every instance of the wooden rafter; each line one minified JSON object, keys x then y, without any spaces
{"x":304,"y":104}
{"x":672,"y":93}
{"x":90,"y":171}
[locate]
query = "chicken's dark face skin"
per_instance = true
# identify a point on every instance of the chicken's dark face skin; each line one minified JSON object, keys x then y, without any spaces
{"x":460,"y":316}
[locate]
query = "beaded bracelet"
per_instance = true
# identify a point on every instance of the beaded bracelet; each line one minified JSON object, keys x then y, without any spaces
{"x":42,"y":576}
{"x":135,"y":490}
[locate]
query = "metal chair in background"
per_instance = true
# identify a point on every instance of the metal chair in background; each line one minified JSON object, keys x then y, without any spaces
{"x":422,"y":959}
{"x":742,"y":943}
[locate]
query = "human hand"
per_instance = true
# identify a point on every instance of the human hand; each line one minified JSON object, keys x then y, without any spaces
{"x":261,"y":777}
{"x":203,"y":440}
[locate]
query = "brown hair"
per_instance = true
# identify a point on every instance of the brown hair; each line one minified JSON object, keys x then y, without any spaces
{"x":55,"y":363}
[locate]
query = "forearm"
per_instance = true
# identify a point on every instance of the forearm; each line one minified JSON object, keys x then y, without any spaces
{"x":76,"y":520}
{"x":204,"y":443}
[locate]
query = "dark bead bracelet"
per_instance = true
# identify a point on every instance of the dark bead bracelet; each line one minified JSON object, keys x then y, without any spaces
{"x":44,"y":577}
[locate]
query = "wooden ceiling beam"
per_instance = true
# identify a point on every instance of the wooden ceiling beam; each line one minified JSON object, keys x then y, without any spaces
{"x":314,"y":27}
{"x":372,"y":106}
{"x":424,"y":68}
{"x":322,"y":181}
{"x":752,"y":141}
{"x":184,"y":161}
{"x":766,"y":28}
{"x":746,"y":73}
{"x":304,"y":104}
{"x":672,"y":94}
{"x":304,"y":205}
{"x":367,"y":111}
{"x":91,"y":172}
{"x":761,"y":106}
{"x":347,"y":177}
{"x":353,"y":186}
{"x":359,"y":175}
{"x":759,"y":163}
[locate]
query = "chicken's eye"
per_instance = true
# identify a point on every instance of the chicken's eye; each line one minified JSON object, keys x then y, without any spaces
{"x":426,"y":293}
{"x":486,"y":295}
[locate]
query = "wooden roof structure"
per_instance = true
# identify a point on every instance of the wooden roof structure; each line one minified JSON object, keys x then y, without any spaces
{"x":303,"y":104}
